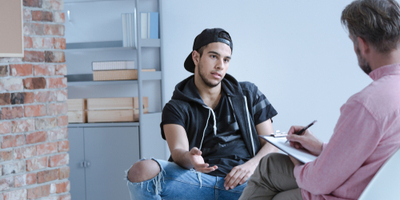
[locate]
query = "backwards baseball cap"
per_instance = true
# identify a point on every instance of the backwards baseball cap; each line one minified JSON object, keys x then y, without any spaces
{"x":206,"y":37}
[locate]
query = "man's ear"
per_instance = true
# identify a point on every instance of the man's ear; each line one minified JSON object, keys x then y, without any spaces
{"x":363,"y":46}
{"x":195,"y":57}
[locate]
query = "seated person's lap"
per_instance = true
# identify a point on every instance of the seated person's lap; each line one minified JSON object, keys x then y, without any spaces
{"x":176,"y":182}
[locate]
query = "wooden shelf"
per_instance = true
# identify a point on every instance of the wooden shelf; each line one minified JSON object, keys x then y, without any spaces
{"x":109,"y":124}
{"x":97,"y":46}
{"x":109,"y":45}
{"x":87,"y":79}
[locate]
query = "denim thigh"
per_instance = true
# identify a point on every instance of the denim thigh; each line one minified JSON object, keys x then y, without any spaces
{"x":175,"y":182}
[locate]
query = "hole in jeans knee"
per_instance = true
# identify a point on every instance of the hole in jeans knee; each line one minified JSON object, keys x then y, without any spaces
{"x":143,"y":170}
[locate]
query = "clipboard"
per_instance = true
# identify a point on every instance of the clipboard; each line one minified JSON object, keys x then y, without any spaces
{"x":280,"y":143}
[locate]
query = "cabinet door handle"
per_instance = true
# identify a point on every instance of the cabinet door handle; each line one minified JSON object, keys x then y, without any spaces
{"x":84,"y":164}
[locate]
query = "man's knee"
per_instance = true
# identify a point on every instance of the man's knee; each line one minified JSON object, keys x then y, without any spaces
{"x":271,"y":159}
{"x":268,"y":157}
{"x":143,"y":170}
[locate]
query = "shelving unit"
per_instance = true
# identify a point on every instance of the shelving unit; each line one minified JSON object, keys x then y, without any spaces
{"x":87,"y":44}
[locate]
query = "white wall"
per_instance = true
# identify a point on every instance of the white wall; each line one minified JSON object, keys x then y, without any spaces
{"x":297,"y":52}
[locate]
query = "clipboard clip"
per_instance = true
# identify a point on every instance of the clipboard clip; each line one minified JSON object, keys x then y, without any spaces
{"x":278,"y":134}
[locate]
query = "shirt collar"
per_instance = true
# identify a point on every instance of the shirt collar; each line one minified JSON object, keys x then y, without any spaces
{"x":393,"y":69}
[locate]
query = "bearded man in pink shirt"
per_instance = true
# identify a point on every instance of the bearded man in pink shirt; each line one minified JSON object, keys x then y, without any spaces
{"x":368,"y":130}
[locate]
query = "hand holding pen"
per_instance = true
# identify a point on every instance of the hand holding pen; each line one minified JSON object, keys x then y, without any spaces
{"x":301,"y":132}
{"x":307,"y":141}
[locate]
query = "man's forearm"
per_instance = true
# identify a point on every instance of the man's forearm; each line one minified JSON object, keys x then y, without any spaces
{"x":265,"y":149}
{"x":181,"y":157}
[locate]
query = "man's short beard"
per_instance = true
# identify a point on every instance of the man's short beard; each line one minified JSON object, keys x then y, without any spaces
{"x":202,"y":76}
{"x":364,"y":65}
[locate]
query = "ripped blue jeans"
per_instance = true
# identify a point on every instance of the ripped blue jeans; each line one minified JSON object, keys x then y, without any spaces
{"x":175,"y":182}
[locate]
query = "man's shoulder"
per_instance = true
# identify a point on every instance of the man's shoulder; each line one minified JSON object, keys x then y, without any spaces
{"x":372,"y":96}
{"x":177,"y":106}
{"x":248,"y":86}
{"x":177,"y":103}
{"x":232,"y":85}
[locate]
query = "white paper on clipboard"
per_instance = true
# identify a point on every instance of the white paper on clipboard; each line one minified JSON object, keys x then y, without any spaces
{"x":280,"y":142}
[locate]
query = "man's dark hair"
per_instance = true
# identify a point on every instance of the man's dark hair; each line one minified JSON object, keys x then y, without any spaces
{"x":221,"y":34}
{"x":375,"y":21}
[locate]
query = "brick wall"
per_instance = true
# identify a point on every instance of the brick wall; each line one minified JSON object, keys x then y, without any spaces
{"x":33,"y":111}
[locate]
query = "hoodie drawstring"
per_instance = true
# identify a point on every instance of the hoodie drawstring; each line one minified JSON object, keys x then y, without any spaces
{"x":248,"y":121}
{"x":210,"y":111}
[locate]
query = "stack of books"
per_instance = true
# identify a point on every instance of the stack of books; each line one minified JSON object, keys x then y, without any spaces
{"x":149,"y":25}
{"x":128,"y":29}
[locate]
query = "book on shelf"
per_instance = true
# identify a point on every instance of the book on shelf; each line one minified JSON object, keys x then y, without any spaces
{"x":154,"y":25}
{"x":143,"y":25}
{"x":124,"y":28}
{"x":128,"y":29}
{"x":149,"y":25}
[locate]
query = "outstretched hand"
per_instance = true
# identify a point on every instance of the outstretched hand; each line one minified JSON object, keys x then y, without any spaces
{"x":198,"y":161}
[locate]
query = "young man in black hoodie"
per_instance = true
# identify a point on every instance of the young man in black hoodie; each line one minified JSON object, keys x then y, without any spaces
{"x":211,"y":125}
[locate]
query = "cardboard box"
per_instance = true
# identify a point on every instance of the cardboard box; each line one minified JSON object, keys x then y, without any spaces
{"x":109,"y":75}
{"x":77,"y":116}
{"x":124,"y":109}
{"x":136,"y":107}
{"x":110,"y":115}
{"x":76,"y":110}
{"x":110,"y":103}
{"x":114,"y":115}
{"x":124,"y":74}
{"x":116,"y":103}
{"x":76,"y":104}
{"x":136,"y":102}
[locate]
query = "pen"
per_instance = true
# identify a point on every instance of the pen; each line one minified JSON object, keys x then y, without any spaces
{"x":301,"y":132}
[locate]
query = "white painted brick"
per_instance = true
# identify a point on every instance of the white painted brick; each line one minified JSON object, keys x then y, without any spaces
{"x":14,"y":167}
{"x":53,"y":188}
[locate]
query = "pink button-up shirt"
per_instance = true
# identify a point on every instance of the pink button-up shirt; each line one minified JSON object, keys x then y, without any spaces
{"x":366,"y":135}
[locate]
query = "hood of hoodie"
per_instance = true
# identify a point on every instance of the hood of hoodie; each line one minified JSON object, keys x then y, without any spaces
{"x":186,"y":90}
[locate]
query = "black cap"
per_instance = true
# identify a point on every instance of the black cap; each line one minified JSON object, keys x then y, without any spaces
{"x":206,"y":37}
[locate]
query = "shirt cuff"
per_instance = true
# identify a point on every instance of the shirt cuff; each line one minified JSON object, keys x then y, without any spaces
{"x":297,"y":170}
{"x":324,"y":145}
